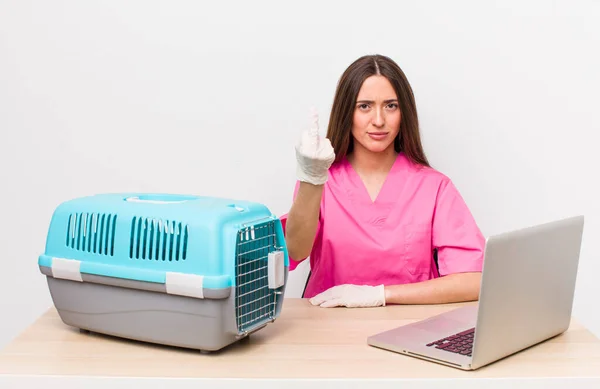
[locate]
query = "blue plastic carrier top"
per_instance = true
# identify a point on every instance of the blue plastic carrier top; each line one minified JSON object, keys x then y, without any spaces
{"x":143,"y":237}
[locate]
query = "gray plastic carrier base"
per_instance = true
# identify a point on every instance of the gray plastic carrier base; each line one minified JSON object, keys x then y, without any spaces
{"x":207,"y":324}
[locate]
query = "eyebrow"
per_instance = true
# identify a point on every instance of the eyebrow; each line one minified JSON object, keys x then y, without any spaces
{"x":371,"y":101}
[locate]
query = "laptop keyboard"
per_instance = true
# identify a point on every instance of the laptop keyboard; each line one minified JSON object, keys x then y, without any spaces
{"x":460,"y":343}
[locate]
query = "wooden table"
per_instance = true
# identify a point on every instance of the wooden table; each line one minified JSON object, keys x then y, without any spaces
{"x":305,"y":345}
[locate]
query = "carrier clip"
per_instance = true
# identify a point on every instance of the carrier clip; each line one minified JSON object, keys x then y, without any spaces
{"x":185,"y":284}
{"x":68,"y":269}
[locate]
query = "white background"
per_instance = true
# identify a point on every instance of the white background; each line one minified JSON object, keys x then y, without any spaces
{"x":207,"y":98}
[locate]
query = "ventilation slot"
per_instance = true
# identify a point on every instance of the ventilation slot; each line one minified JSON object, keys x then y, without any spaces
{"x":92,"y":233}
{"x":158,"y":240}
{"x":255,"y":301}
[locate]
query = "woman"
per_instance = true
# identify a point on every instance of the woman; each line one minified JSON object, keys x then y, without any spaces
{"x":370,"y":211}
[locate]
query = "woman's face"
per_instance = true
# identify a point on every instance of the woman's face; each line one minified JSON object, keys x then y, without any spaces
{"x":376,"y":120}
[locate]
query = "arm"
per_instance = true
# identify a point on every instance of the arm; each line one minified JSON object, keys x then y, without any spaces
{"x":458,"y":287}
{"x":452,"y":288}
{"x":314,"y":156}
{"x":302,"y":220}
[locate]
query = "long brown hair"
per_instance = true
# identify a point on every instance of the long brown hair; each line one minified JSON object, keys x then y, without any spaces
{"x":339,"y":130}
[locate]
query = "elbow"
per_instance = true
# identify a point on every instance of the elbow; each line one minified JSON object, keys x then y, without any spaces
{"x":295,"y":253}
{"x":475,"y":286}
{"x":466,"y":286}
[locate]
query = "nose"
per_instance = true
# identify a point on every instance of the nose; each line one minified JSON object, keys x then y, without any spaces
{"x":378,"y":119}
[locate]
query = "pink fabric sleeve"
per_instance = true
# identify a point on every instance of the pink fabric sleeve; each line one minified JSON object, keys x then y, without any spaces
{"x":455,"y":234}
{"x":294,"y":262}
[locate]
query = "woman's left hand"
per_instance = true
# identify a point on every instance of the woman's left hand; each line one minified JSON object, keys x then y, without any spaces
{"x":351,"y":296}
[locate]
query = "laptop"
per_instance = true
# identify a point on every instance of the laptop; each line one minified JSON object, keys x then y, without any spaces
{"x":526,"y":297}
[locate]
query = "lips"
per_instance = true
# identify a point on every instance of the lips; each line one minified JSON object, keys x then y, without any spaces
{"x":377,"y":135}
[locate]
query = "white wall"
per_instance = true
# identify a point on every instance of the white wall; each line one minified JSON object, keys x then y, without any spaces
{"x":104,"y":96}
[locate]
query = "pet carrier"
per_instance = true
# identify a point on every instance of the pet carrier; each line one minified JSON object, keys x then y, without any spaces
{"x":188,"y":271}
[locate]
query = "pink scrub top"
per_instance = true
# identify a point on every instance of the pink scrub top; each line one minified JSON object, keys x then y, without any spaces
{"x":390,"y":240}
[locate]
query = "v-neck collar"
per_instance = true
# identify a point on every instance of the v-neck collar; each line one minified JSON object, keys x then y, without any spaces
{"x":358,"y":190}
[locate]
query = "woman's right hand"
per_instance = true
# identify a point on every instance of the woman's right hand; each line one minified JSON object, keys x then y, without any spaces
{"x":314,"y":155}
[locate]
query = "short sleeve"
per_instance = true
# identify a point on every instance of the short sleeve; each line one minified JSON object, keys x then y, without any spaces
{"x":456,"y":236}
{"x":295,"y":262}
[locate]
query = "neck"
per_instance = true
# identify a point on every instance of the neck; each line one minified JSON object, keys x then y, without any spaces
{"x":369,"y":162}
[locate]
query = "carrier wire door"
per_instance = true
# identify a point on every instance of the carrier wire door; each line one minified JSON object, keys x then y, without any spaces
{"x":255,"y":301}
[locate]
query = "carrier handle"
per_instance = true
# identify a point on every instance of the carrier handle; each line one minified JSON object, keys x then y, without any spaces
{"x":159,"y":199}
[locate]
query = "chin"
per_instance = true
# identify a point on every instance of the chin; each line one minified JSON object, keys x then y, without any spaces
{"x":378,"y":147}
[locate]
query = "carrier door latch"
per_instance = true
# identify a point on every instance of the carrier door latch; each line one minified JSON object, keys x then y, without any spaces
{"x":276,"y":269}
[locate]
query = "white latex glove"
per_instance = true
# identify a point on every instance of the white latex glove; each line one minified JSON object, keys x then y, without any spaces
{"x":314,"y":155}
{"x":351,"y":296}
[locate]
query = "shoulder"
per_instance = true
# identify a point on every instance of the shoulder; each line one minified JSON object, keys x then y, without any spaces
{"x":338,"y":172}
{"x":421,"y":172}
{"x":337,"y":167}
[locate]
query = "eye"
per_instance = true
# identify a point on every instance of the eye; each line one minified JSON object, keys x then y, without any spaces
{"x":363,"y":106}
{"x":392,"y":105}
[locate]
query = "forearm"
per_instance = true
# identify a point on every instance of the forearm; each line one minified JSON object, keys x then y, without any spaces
{"x":302,"y":220}
{"x":448,"y":289}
